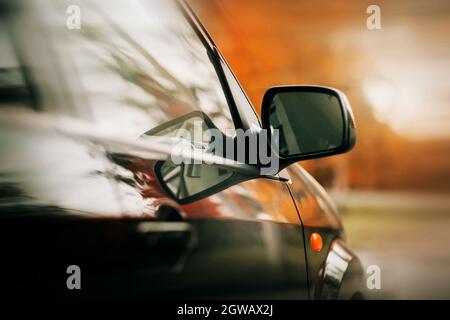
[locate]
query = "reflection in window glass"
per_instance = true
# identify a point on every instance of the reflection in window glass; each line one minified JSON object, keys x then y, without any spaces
{"x":140,"y":64}
{"x":13,"y":89}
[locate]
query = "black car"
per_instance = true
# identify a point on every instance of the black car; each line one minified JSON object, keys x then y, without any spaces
{"x":93,"y":204}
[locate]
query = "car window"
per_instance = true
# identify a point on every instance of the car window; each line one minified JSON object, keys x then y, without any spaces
{"x":139,"y":64}
{"x":13,"y":88}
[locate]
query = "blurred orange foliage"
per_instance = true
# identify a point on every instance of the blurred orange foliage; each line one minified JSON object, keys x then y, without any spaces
{"x":269,"y":42}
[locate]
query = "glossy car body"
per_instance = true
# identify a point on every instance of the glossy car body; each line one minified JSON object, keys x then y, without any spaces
{"x":74,"y":194}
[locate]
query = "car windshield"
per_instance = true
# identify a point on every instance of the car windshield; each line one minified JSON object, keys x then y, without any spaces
{"x":135,"y":64}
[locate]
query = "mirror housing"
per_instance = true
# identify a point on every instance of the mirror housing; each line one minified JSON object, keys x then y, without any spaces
{"x":311,"y":122}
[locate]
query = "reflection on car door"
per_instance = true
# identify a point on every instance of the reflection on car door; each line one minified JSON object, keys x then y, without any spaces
{"x":244,"y":241}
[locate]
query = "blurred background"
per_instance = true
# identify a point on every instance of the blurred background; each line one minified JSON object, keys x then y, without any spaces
{"x":393,"y":189}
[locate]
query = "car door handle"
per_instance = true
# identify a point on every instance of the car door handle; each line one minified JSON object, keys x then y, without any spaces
{"x":168,"y":235}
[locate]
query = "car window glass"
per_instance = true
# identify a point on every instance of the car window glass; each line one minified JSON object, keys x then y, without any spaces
{"x":140,"y":64}
{"x":13,"y":88}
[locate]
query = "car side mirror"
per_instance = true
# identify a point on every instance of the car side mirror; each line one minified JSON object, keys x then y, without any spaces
{"x":305,"y":122}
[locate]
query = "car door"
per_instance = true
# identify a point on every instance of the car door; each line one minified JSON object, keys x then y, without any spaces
{"x":134,"y":66}
{"x":245,"y":241}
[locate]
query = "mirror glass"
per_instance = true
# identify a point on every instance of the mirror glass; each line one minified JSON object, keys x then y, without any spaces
{"x":307,"y":122}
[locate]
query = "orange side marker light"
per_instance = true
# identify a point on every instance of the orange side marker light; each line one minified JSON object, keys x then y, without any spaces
{"x":316,"y":242}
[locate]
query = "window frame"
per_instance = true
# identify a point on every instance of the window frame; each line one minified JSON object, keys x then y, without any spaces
{"x":217,"y":59}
